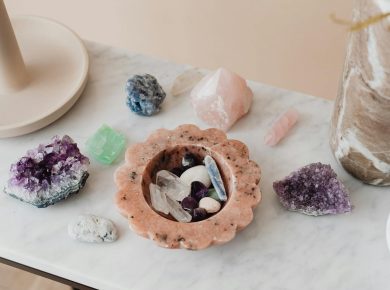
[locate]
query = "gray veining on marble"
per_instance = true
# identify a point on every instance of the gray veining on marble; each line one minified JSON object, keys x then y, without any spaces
{"x":279,"y":250}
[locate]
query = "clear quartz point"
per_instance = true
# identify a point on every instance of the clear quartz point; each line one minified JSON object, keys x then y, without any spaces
{"x":186,"y":81}
{"x":172,"y":186}
{"x":158,"y":199}
{"x":177,"y":211}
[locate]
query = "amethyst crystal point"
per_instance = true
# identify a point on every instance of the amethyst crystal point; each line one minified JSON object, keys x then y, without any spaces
{"x":48,"y":173}
{"x":313,"y":190}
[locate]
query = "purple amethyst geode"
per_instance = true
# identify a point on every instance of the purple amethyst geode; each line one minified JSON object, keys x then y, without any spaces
{"x":313,"y":190}
{"x":49,"y":173}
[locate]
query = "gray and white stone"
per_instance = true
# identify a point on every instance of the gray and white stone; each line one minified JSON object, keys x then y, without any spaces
{"x":210,"y":204}
{"x":92,"y":229}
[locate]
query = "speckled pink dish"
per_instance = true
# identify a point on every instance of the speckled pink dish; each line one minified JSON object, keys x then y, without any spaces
{"x":164,"y":150}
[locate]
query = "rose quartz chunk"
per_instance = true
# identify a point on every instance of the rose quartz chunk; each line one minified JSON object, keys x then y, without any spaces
{"x":221,"y":98}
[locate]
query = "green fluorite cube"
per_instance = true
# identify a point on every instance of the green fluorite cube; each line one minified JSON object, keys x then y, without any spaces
{"x":106,"y":145}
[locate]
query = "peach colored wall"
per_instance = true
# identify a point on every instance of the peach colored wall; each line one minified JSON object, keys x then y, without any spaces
{"x":287,"y":43}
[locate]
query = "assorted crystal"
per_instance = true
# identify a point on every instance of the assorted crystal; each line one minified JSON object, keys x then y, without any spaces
{"x":221,"y":98}
{"x":49,"y":173}
{"x":186,"y":198}
{"x":198,"y":190}
{"x":176,"y":210}
{"x":158,"y":199}
{"x":189,"y":160}
{"x":210,"y":205}
{"x":106,"y":145}
{"x":144,"y":95}
{"x":189,"y":203}
{"x":92,"y":229}
{"x":215,"y":177}
{"x":196,"y":173}
{"x":172,"y":186}
{"x":313,"y":190}
{"x":213,"y":194}
{"x":199,"y":214}
{"x":186,"y":81}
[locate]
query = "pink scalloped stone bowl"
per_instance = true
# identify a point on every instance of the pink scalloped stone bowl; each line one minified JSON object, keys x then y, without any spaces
{"x":164,"y":150}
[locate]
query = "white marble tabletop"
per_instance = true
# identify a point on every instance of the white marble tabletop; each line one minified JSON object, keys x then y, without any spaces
{"x":279,"y":250}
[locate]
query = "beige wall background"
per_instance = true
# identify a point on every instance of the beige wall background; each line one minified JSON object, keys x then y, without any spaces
{"x":287,"y":43}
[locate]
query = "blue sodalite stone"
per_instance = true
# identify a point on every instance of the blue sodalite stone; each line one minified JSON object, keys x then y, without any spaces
{"x":144,"y":95}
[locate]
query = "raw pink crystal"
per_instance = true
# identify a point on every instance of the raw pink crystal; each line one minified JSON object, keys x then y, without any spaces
{"x":221,"y":98}
{"x":281,"y":127}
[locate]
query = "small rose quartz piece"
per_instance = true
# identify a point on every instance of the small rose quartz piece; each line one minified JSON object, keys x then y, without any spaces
{"x":221,"y":98}
{"x":281,"y":127}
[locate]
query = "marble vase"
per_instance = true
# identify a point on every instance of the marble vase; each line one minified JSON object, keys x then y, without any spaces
{"x":360,"y":130}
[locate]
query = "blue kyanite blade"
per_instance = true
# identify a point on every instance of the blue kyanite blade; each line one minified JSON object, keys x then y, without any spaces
{"x":215,"y":177}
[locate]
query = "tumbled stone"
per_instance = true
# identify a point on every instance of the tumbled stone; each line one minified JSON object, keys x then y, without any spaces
{"x":172,"y":186}
{"x":215,"y":177}
{"x":198,"y":190}
{"x":92,"y":229}
{"x":106,"y":145}
{"x":49,"y":173}
{"x":186,"y":81}
{"x":189,"y":203}
{"x":189,"y":160}
{"x":213,"y":194}
{"x":144,"y":95}
{"x":199,"y":214}
{"x":210,"y":205}
{"x":221,"y":98}
{"x":158,"y":199}
{"x":196,"y":173}
{"x":313,"y":190}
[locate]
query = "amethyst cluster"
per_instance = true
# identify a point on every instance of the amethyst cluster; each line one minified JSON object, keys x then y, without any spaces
{"x":313,"y":190}
{"x":48,"y":173}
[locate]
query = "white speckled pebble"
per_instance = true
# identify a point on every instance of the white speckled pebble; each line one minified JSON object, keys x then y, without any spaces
{"x":196,"y":173}
{"x":92,"y":229}
{"x":210,"y":204}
